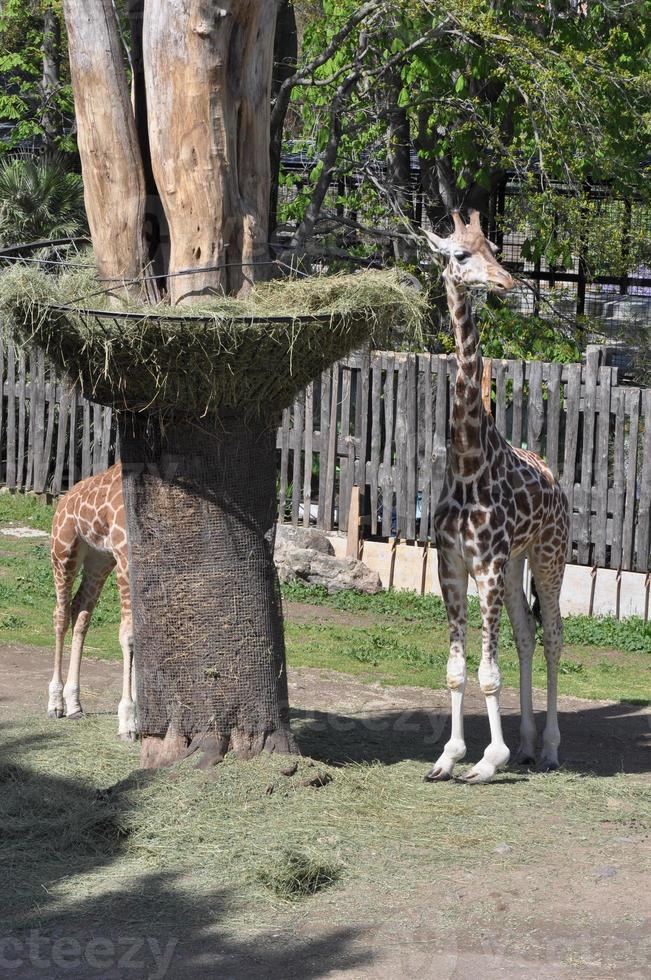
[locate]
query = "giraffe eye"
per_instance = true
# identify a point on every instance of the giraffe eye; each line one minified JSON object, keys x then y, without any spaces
{"x":461,"y":256}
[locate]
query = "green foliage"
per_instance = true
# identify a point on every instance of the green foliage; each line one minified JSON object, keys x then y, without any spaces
{"x":507,"y":333}
{"x":39,"y":199}
{"x":23,"y":100}
{"x":557,"y":90}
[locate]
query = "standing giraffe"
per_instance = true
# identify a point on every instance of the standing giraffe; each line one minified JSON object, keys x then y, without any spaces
{"x":88,"y":532}
{"x":499,"y":504}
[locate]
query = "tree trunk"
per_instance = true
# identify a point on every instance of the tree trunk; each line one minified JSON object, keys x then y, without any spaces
{"x":50,"y":82}
{"x":208,"y":632}
{"x":155,"y":230}
{"x":399,"y":159}
{"x":209,"y":132}
{"x":114,"y":183}
{"x":285,"y":60}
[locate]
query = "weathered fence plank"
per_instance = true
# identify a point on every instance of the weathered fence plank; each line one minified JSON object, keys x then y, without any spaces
{"x":10,"y":392}
{"x":425,"y":378}
{"x":554,"y":397}
{"x":601,"y":467}
{"x":644,"y":503}
{"x":297,"y":447}
{"x":373,"y":478}
{"x":307,"y":465}
{"x":387,"y":462}
{"x":22,"y":409}
{"x":633,"y":408}
{"x":536,"y":408}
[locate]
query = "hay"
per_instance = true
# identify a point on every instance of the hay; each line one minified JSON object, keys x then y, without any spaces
{"x":253,"y":354}
{"x":295,"y":874}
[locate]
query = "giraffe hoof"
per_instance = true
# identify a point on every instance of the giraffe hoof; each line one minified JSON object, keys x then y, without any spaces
{"x":75,"y":716}
{"x":55,"y":713}
{"x":437,"y":775}
{"x":547,"y":765}
{"x":525,"y":760}
{"x":473,"y":778}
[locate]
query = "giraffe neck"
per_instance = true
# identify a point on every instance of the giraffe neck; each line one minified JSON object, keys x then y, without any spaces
{"x":467,"y":408}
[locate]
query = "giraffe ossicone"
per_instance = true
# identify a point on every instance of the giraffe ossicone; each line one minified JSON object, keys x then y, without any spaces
{"x":499,"y":505}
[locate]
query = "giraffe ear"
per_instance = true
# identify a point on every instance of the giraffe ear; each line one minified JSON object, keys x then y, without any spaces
{"x":493,"y":247}
{"x":440,"y":246}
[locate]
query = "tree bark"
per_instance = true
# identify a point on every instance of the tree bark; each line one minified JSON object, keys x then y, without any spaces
{"x":285,"y":61}
{"x":114,"y":183}
{"x":210,"y":67}
{"x":50,"y":82}
{"x":399,"y":159}
{"x":156,"y":231}
{"x":210,"y":658}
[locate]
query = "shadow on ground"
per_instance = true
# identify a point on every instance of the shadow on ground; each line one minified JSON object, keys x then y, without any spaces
{"x":603,"y":740}
{"x":56,"y":828}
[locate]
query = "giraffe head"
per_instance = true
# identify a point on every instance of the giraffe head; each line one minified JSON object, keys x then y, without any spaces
{"x":470,"y":256}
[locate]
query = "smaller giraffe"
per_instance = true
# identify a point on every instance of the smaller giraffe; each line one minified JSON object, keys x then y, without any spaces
{"x":88,"y":533}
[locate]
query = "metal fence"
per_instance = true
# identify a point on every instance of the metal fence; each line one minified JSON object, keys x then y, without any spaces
{"x":380,"y":422}
{"x":606,"y":286}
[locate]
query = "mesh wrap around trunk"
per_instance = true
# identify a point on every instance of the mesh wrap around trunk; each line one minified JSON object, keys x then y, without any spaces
{"x":201,"y":509}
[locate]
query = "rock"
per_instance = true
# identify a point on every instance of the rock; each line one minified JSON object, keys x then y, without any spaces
{"x":303,"y":537}
{"x":502,"y":849}
{"x":607,"y":872}
{"x":306,"y":555}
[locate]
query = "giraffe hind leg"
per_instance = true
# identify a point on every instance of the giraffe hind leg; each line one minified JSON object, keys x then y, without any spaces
{"x":524,"y":634}
{"x":97,"y":567}
{"x":548,"y":574}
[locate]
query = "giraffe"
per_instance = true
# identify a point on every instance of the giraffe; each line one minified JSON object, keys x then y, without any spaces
{"x":88,"y":532}
{"x":499,"y":504}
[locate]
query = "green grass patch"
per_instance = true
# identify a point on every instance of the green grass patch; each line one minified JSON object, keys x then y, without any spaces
{"x":25,"y":509}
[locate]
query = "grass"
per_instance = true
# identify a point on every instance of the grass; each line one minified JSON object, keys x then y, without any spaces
{"x":406,"y":643}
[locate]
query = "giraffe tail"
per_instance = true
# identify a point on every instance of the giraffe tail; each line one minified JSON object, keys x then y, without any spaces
{"x":535,"y":605}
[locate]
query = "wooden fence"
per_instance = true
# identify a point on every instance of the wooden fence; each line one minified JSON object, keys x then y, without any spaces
{"x":380,"y":422}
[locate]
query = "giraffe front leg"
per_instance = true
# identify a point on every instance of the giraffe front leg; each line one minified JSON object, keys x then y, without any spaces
{"x":127,"y":724}
{"x":453,"y":577}
{"x":490,"y":586}
{"x":55,"y":705}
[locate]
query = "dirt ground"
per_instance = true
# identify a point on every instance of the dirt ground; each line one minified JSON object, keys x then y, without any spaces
{"x":587,"y":915}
